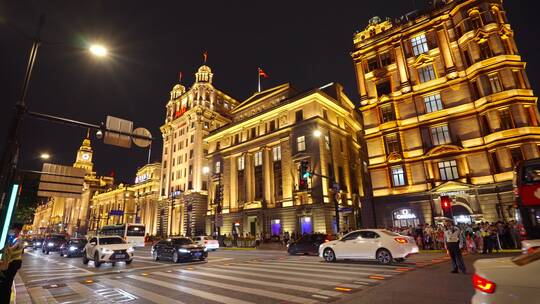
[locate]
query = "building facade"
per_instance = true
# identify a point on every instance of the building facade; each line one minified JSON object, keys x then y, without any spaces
{"x":190,"y":116}
{"x":255,"y":161}
{"x":146,"y":196}
{"x":448,"y":111}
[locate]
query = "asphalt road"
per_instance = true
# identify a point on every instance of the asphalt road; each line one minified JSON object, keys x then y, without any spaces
{"x":228,"y":276}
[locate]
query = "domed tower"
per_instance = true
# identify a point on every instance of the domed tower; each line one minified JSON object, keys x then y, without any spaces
{"x":204,"y":74}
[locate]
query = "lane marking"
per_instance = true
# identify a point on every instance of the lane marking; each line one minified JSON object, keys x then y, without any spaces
{"x":277,"y":277}
{"x":140,"y":292}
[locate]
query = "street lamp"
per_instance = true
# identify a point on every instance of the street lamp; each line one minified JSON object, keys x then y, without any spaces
{"x":205,"y":170}
{"x":98,"y":50}
{"x":45,"y":156}
{"x":317,"y":133}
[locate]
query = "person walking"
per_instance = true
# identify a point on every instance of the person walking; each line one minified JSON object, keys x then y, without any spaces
{"x":9,"y":265}
{"x":452,"y":241}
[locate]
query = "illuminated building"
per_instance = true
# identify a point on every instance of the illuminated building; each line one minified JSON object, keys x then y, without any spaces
{"x":256,"y":159}
{"x":447,"y":109}
{"x":190,"y":116}
{"x":146,"y":196}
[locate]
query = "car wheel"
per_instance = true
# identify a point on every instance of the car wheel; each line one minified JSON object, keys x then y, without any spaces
{"x":129,"y":261}
{"x":175,"y":257}
{"x":84,"y":259}
{"x":329,"y":255}
{"x":97,"y":263}
{"x":384,"y":256}
{"x":155,"y":255}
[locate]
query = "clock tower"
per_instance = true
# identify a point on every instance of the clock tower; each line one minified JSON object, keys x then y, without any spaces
{"x":84,"y":156}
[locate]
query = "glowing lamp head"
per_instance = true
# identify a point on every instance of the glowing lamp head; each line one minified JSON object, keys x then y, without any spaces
{"x":205,"y":170}
{"x":317,"y":133}
{"x":45,"y":156}
{"x":98,"y":50}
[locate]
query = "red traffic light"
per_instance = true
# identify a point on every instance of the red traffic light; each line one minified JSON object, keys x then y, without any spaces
{"x":446,"y":202}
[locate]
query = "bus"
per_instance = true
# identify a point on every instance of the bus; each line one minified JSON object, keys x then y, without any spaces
{"x":131,"y":233}
{"x":527,"y":193}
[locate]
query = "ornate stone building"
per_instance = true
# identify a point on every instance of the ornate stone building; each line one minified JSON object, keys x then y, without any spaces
{"x":190,"y":116}
{"x":255,"y":158}
{"x":448,"y":110}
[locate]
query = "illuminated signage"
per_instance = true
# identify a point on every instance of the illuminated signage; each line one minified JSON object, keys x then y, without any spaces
{"x":142,"y":178}
{"x":404,"y":214}
{"x":180,"y":112}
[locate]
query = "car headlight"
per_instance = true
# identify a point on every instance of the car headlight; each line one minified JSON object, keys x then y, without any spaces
{"x":26,"y":244}
{"x":183,"y":250}
{"x":130,"y":250}
{"x":205,"y":249}
{"x":50,"y":244}
{"x":107,"y":251}
{"x":72,"y":248}
{"x":38,"y":244}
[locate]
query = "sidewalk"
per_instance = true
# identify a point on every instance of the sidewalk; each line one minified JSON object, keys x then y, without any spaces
{"x":432,"y":284}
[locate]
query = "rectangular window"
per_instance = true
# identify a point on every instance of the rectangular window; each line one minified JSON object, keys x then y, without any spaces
{"x":327,"y":142}
{"x":301,"y":143}
{"x":419,"y":44}
{"x":495,"y":83}
{"x":485,"y":51}
{"x":272,"y":125}
{"x":191,"y":154}
{"x":495,"y":162}
{"x":467,"y":56}
{"x":236,"y":138}
{"x":386,"y":59}
{"x":241,"y":163}
{"x":253,"y":132}
{"x":384,"y":88}
{"x":506,"y":119}
{"x":426,"y":73}
{"x":440,"y":135}
{"x":484,"y":124}
{"x":387,"y":113}
{"x":204,"y":185}
{"x":190,"y":170}
{"x":206,"y":125}
{"x":258,"y":159}
{"x":192,"y":124}
{"x":448,"y":170}
{"x":174,"y":148}
{"x":398,"y":176}
{"x":372,"y":64}
{"x":299,"y":115}
{"x":516,"y":155}
{"x":433,"y":103}
{"x":217,"y":167}
{"x":392,"y":144}
{"x":276,"y":153}
{"x":192,"y":139}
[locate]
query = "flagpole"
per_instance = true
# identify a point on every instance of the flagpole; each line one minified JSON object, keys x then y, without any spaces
{"x":259,"y":77}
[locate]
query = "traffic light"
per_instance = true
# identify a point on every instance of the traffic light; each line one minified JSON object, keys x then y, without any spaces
{"x":446,"y":206}
{"x":304,"y":175}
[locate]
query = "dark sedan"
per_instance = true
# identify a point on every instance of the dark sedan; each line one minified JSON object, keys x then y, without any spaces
{"x":37,"y":243}
{"x":307,"y":244}
{"x":53,"y":243}
{"x":178,"y":249}
{"x":74,"y":247}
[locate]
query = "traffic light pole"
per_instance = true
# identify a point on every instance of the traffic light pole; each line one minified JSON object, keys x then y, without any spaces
{"x":335,"y":191}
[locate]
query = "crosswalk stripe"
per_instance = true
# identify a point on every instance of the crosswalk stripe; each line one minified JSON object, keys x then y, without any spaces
{"x":277,"y":277}
{"x":191,"y":291}
{"x":337,"y":266}
{"x":265,"y":283}
{"x":296,"y":273}
{"x":41,"y":295}
{"x":258,"y":292}
{"x":304,"y":269}
{"x":140,"y":292}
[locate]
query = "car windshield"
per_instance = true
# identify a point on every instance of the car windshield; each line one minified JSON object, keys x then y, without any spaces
{"x":77,"y":241}
{"x":527,"y":258}
{"x":182,"y":241}
{"x":390,"y":233}
{"x":110,"y":240}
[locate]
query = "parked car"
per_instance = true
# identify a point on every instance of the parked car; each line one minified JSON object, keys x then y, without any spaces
{"x":178,"y":249}
{"x":107,"y":249}
{"x":207,"y":241}
{"x":74,"y":247}
{"x":307,"y":244}
{"x":529,"y":245}
{"x":507,"y":280}
{"x":28,"y":243}
{"x":37,"y":243}
{"x":370,"y":244}
{"x":53,"y":243}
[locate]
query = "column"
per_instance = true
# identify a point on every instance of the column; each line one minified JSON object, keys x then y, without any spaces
{"x":361,"y":81}
{"x":402,"y":67}
{"x":233,"y":182}
{"x":444,"y":49}
{"x":267,"y":176}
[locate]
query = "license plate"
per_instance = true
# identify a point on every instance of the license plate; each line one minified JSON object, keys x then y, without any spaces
{"x":120,"y":256}
{"x":197,"y":254}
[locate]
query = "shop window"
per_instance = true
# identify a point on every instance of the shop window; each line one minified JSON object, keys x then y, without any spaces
{"x":398,"y":176}
{"x":387,"y":113}
{"x":440,"y":135}
{"x":426,"y":73}
{"x":419,"y":44}
{"x":506,"y":119}
{"x":433,"y":103}
{"x":448,"y":170}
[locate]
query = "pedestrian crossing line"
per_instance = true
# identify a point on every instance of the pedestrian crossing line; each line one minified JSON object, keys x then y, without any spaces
{"x":340,"y":264}
{"x":377,"y":277}
{"x":276,"y":277}
{"x":83,"y":292}
{"x":191,"y":291}
{"x":325,"y":265}
{"x":41,"y":295}
{"x":237,"y":288}
{"x":296,"y":273}
{"x":320,"y":297}
{"x":326,"y":270}
{"x":264,"y":283}
{"x":115,"y":295}
{"x":140,"y":292}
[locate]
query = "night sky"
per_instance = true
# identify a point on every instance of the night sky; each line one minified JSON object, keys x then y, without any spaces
{"x":306,"y":43}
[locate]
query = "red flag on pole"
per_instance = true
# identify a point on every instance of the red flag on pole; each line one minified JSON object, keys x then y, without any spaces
{"x":205,"y":56}
{"x":180,"y":77}
{"x":262,"y":73}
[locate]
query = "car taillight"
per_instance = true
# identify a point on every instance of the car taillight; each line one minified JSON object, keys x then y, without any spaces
{"x":205,"y":241}
{"x":401,"y":240}
{"x":482,"y":284}
{"x":532,"y":249}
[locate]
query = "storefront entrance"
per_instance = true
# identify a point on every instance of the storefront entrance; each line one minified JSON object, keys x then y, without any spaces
{"x":461,"y":214}
{"x":405,"y":217}
{"x":306,"y":225}
{"x":275,"y":226}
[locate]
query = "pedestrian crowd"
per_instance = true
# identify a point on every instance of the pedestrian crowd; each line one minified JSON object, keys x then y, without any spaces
{"x":483,"y":237}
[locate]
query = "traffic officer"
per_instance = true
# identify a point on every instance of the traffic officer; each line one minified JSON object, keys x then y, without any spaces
{"x":9,"y":265}
{"x":452,"y":241}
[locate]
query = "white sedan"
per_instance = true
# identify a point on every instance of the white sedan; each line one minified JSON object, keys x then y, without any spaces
{"x":507,"y":280}
{"x":207,"y":241}
{"x":107,"y":249}
{"x":529,"y":245}
{"x":370,"y":244}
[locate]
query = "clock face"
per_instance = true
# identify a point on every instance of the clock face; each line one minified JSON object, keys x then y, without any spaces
{"x":85,"y":156}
